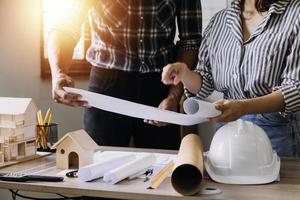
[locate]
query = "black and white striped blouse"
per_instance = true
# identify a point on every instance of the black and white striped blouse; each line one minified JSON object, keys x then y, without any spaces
{"x":269,"y":60}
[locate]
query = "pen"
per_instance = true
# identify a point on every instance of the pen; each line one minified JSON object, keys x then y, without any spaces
{"x":147,"y":172}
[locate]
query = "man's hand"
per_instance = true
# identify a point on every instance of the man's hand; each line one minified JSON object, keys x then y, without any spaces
{"x":231,"y":110}
{"x":168,"y":103}
{"x":61,"y":96}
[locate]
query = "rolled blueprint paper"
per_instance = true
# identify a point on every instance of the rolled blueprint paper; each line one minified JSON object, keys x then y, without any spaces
{"x":97,"y":170}
{"x":129,"y":169}
{"x":188,"y":170}
{"x":198,"y":112}
{"x":193,"y":106}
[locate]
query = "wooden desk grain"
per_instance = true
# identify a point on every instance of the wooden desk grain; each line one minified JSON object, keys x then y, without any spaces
{"x":287,"y":189}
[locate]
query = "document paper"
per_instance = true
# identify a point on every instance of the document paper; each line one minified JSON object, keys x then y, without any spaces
{"x":197,"y":111}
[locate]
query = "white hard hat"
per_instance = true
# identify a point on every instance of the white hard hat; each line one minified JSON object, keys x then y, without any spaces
{"x":241,"y":153}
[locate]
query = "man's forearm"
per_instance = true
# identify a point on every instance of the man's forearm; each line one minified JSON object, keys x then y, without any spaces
{"x":189,"y":57}
{"x":60,"y":52}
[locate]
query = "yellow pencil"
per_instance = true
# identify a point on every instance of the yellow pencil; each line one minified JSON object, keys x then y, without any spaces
{"x":47,"y":116}
{"x":41,"y":129}
{"x":48,"y":124}
{"x":40,"y":117}
{"x":162,"y":175}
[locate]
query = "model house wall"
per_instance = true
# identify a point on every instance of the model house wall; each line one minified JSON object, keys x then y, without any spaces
{"x":74,"y":150}
{"x":17,"y":128}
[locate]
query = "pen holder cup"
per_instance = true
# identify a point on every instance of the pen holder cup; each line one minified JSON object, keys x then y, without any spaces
{"x":46,"y":136}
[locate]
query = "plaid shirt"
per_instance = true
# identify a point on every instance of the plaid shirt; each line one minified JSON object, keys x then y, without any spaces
{"x":136,"y":35}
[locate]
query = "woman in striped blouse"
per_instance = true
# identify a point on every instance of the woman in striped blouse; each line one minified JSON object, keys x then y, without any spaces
{"x":251,"y":53}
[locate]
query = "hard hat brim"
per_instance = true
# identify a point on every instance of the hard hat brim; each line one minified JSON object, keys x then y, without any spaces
{"x":273,"y":174}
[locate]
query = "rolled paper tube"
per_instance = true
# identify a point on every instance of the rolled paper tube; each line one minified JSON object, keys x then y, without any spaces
{"x":98,"y":169}
{"x":129,"y":169}
{"x":188,"y":170}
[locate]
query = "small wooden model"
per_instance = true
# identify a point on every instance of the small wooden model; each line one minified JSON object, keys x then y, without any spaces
{"x":17,"y":128}
{"x":74,"y":149}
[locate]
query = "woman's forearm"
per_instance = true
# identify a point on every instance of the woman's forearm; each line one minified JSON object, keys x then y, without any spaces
{"x":234,"y":109}
{"x":192,"y":81}
{"x":273,"y":102}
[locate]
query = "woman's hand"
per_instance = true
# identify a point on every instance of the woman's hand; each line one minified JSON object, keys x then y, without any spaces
{"x":59,"y":95}
{"x":174,"y":73}
{"x":231,"y":110}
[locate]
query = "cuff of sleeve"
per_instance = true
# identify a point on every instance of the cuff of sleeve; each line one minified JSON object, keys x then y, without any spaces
{"x":207,"y":85}
{"x":189,"y":44}
{"x":291,"y":95}
{"x":187,"y":93}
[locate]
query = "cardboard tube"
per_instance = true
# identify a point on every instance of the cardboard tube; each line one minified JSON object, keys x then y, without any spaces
{"x":188,"y":170}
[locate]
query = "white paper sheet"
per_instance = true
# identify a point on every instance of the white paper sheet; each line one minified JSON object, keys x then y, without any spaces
{"x":161,"y":159}
{"x":197,"y":111}
{"x":100,"y":167}
{"x":129,"y":169}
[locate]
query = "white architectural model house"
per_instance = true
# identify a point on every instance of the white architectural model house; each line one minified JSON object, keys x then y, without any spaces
{"x":74,"y":150}
{"x":17,"y":128}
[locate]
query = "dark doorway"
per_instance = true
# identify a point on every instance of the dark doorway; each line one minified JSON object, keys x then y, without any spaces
{"x":73,"y":160}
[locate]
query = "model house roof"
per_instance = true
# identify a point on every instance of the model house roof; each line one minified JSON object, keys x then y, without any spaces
{"x":14,"y":106}
{"x":81,"y":138}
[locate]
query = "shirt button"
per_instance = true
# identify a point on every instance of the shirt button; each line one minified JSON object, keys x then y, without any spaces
{"x":234,"y":76}
{"x":141,"y":41}
{"x":142,"y":18}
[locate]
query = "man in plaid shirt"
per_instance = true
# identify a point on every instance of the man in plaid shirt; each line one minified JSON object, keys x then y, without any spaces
{"x":132,"y":40}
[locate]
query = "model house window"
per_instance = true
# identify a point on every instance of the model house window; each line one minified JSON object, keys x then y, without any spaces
{"x":80,"y":66}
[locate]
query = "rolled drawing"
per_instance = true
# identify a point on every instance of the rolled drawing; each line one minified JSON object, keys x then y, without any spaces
{"x":197,"y":111}
{"x":129,"y":169}
{"x":97,"y":170}
{"x":188,"y":170}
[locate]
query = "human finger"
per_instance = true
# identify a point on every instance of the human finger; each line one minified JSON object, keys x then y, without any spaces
{"x":62,"y":94}
{"x":155,"y":123}
{"x":70,"y":99}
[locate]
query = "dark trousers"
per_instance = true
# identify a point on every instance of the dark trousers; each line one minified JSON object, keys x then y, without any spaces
{"x":112,"y":129}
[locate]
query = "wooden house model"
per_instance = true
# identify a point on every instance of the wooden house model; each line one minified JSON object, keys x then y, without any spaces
{"x":17,"y":128}
{"x":74,"y":150}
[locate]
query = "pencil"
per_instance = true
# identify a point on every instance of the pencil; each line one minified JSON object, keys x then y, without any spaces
{"x":40,"y":117}
{"x":46,"y":119}
{"x":162,"y":175}
{"x":48,"y":127}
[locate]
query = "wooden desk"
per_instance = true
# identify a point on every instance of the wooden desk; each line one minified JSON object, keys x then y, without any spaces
{"x":287,"y":189}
